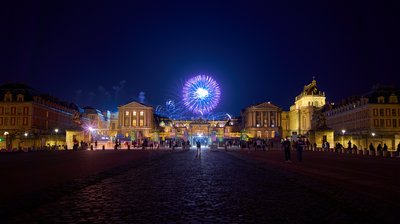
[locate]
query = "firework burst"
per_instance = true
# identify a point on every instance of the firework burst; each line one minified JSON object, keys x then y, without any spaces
{"x":201,"y":94}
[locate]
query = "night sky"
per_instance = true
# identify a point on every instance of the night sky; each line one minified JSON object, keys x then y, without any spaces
{"x":103,"y":53}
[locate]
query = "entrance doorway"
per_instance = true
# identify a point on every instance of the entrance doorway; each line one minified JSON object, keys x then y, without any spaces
{"x":202,"y":139}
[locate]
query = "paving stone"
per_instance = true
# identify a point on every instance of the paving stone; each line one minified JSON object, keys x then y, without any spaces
{"x":179,"y":188}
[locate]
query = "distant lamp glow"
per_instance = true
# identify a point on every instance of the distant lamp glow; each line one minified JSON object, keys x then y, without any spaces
{"x":343,"y":131}
{"x":6,"y":133}
{"x":56,"y":130}
{"x":91,"y":129}
{"x":373,"y":134}
{"x":26,"y":134}
{"x":200,"y":135}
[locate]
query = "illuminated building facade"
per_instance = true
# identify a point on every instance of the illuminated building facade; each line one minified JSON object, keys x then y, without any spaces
{"x":135,"y":121}
{"x":31,"y":119}
{"x":298,"y":119}
{"x":373,"y":118}
{"x":263,"y":120}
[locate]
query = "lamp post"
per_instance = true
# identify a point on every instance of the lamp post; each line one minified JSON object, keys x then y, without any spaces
{"x":343,"y":131}
{"x":56,"y":131}
{"x":6,"y":134}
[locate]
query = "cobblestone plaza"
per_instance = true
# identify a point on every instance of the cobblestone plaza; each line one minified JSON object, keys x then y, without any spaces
{"x":165,"y":186}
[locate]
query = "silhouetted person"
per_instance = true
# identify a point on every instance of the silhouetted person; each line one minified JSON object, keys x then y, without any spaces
{"x":379,"y":148}
{"x":398,"y":149}
{"x":198,"y":145}
{"x":385,"y":148}
{"x":286,"y":149}
{"x":300,"y":145}
{"x":371,"y":147}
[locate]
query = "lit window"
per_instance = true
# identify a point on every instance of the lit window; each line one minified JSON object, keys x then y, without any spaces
{"x":141,"y":113}
{"x":388,"y":122}
{"x":20,"y":98}
{"x":375,"y":112}
{"x":134,"y":113}
{"x":127,"y":113}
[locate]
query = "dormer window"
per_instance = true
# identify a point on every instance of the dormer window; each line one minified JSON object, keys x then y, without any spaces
{"x":393,"y":99}
{"x":20,"y":98}
{"x":381,"y":99}
{"x":8,"y":97}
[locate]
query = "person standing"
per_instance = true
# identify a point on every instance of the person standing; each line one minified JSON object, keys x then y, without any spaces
{"x":398,"y":149}
{"x":198,"y":153}
{"x":300,"y":145}
{"x":286,"y":148}
{"x":371,"y":147}
{"x":379,"y":148}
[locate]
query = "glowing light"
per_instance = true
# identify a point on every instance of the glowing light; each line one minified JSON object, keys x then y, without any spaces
{"x":373,"y":134}
{"x":56,"y":130}
{"x":201,"y":94}
{"x":91,"y":129}
{"x":343,"y":131}
{"x":6,"y":133}
{"x":26,"y":134}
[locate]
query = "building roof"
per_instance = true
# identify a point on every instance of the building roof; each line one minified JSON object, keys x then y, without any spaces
{"x":381,"y":91}
{"x":29,"y":93}
{"x":311,"y":90}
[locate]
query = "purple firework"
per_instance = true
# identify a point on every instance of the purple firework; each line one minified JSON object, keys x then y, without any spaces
{"x":201,"y":94}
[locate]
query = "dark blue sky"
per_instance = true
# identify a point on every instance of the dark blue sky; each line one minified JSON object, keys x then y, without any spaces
{"x":94,"y":52}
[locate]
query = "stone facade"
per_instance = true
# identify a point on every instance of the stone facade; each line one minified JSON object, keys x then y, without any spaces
{"x":372,"y":118}
{"x":300,"y":115}
{"x":30,"y":119}
{"x":263,"y":121}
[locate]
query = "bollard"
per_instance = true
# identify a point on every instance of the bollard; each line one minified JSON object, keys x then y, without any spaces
{"x":91,"y":147}
{"x":103,"y":147}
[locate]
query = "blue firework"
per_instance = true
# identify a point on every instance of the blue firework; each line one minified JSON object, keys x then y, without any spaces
{"x":201,"y":94}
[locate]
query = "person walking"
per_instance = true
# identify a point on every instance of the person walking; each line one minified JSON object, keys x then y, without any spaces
{"x":300,"y":145}
{"x":198,"y":153}
{"x":286,"y":148}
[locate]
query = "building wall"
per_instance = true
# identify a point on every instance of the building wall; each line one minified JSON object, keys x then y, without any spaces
{"x":365,"y":123}
{"x":301,"y":112}
{"x":263,"y":121}
{"x":135,"y":118}
{"x":33,"y":123}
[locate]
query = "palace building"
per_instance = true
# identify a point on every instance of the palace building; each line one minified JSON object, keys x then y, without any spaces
{"x":135,"y":120}
{"x":262,"y":120}
{"x":300,"y":115}
{"x":372,"y":118}
{"x":29,"y":118}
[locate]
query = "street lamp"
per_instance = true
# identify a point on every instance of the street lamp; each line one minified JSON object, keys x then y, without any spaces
{"x":6,"y":134}
{"x":343,"y":131}
{"x":91,"y":134}
{"x":373,"y":134}
{"x":56,"y":131}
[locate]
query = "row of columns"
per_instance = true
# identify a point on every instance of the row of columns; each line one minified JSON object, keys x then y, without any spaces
{"x":253,"y":118}
{"x":146,"y":119}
